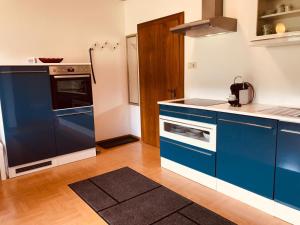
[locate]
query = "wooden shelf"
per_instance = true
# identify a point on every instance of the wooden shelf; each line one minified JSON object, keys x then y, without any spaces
{"x":288,"y":38}
{"x":281,"y":15}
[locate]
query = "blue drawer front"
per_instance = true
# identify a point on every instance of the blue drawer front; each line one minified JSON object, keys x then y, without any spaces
{"x":246,"y":150}
{"x":27,"y":113}
{"x":248,"y":119}
{"x":287,"y":180}
{"x":189,"y":114}
{"x":187,"y":155}
{"x":74,"y":130}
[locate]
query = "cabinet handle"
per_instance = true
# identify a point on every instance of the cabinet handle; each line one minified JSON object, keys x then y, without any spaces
{"x":191,"y":149}
{"x":189,"y":114}
{"x":247,"y":124}
{"x":70,"y":114}
{"x":290,"y":131}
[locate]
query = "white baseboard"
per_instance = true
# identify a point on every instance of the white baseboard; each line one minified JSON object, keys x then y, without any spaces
{"x":266,"y":205}
{"x":2,"y":163}
{"x":56,"y":161}
{"x":189,"y":173}
{"x":250,"y":198}
{"x":286,"y":213}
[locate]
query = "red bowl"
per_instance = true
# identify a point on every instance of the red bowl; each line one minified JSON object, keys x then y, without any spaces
{"x":51,"y":60}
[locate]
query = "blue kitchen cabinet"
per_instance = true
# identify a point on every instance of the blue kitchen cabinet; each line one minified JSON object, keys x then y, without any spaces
{"x":190,"y":156}
{"x":246,"y":151}
{"x":74,"y":130}
{"x":27,"y":114}
{"x":198,"y":115}
{"x":287,"y":180}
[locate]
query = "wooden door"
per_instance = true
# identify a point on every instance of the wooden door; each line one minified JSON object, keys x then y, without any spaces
{"x":161,"y":66}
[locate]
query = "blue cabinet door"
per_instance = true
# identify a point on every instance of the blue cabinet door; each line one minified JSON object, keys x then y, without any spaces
{"x":74,"y":130}
{"x":287,"y":180}
{"x":27,"y":114}
{"x":246,"y":150}
{"x":196,"y":158}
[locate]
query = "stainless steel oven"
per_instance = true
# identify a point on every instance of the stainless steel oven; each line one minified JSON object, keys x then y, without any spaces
{"x":202,"y":135}
{"x":71,"y":86}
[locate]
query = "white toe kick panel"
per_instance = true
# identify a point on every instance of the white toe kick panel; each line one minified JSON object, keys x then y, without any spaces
{"x":264,"y":204}
{"x":49,"y":163}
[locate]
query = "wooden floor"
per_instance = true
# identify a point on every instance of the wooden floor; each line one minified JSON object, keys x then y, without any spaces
{"x":44,"y":197}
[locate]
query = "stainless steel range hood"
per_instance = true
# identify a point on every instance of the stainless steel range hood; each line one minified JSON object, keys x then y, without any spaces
{"x":213,"y":21}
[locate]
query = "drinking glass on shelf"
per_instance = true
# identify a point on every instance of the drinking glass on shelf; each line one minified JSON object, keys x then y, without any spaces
{"x":268,"y":29}
{"x":281,"y":8}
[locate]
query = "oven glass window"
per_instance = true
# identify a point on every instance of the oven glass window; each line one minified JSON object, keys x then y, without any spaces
{"x":189,"y":132}
{"x":71,"y":92}
{"x":77,"y":87}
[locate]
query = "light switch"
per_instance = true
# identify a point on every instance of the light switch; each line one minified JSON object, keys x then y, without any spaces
{"x":192,"y":65}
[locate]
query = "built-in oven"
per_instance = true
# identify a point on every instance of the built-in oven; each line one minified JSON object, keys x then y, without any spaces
{"x":202,"y":135}
{"x":71,"y":86}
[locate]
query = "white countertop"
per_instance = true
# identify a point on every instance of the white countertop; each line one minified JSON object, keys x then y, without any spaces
{"x":49,"y":64}
{"x":247,"y":110}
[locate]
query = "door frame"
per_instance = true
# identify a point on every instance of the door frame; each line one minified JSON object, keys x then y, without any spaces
{"x":138,"y":70}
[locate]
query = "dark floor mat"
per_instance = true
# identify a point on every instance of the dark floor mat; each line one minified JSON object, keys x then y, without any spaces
{"x":145,"y":209}
{"x":114,"y":142}
{"x":175,"y":219}
{"x":204,"y":216}
{"x":125,"y":197}
{"x":92,"y":195}
{"x":124,"y":183}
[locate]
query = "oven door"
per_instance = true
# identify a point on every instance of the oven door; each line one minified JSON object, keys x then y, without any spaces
{"x":201,"y":135}
{"x":71,"y":91}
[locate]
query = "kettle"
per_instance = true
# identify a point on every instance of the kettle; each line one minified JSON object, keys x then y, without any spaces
{"x":244,"y":93}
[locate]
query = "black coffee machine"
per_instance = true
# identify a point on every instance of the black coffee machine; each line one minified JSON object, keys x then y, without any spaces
{"x":241,"y":93}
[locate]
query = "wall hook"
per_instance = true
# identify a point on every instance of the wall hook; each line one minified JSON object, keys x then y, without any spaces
{"x":104,"y":44}
{"x":116,"y":45}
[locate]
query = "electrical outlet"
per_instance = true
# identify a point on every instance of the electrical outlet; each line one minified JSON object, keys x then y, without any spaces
{"x":192,"y":65}
{"x":31,"y":60}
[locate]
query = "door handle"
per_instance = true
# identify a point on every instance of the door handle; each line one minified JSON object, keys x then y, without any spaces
{"x":173,"y":93}
{"x":247,"y":124}
{"x":290,"y":131}
{"x":77,"y":113}
{"x":191,"y":149}
{"x":24,"y":71}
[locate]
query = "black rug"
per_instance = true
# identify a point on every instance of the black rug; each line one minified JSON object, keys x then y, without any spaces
{"x":125,"y":197}
{"x":117,"y":141}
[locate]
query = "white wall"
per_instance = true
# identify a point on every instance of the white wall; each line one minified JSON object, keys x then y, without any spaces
{"x":68,"y":28}
{"x":275,"y":72}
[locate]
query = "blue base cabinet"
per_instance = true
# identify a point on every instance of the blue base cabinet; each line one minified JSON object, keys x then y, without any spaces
{"x":189,"y":156}
{"x":246,"y":150}
{"x":27,"y":114}
{"x":287,"y":180}
{"x":74,"y":130}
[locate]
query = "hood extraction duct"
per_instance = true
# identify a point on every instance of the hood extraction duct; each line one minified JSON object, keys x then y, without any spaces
{"x":213,"y":22}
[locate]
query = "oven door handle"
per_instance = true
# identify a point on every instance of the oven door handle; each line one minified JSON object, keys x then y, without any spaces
{"x":68,"y":76}
{"x":76,"y":113}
